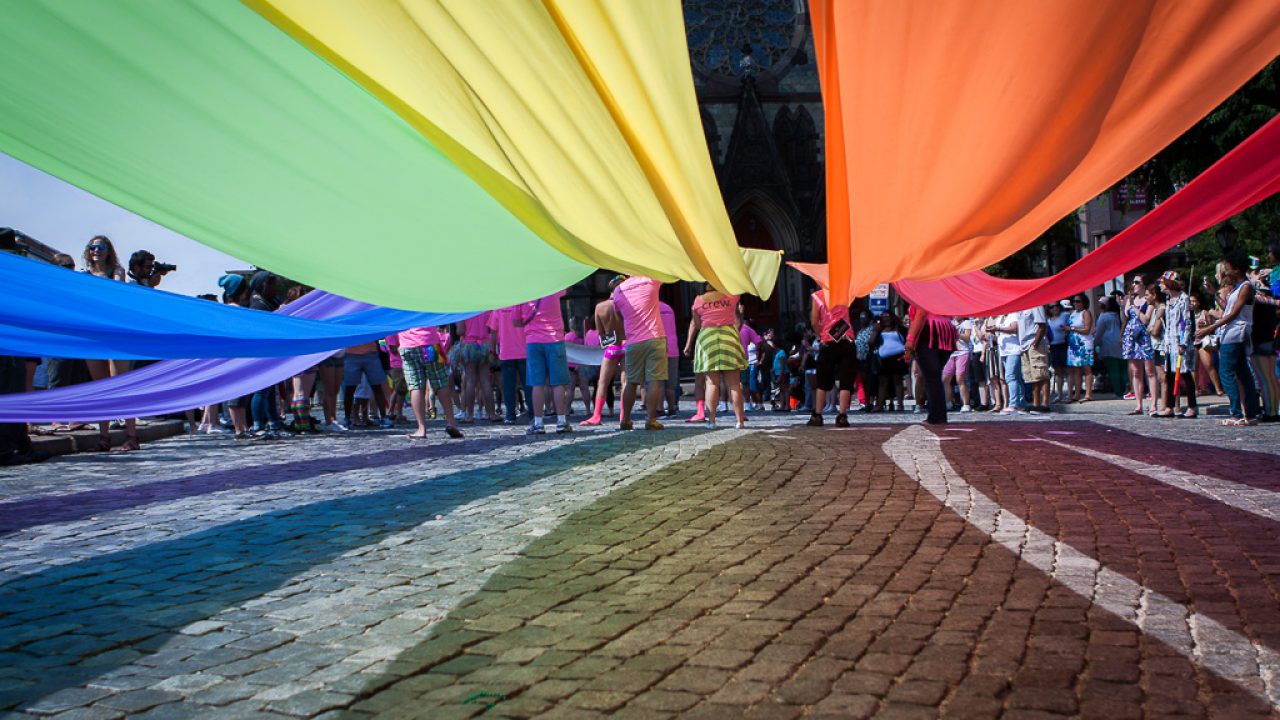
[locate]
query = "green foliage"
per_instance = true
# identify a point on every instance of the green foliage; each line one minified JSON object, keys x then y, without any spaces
{"x":1238,"y":117}
{"x":1248,"y":109}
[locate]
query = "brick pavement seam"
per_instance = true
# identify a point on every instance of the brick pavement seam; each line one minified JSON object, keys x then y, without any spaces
{"x":1256,"y":501}
{"x":916,"y":451}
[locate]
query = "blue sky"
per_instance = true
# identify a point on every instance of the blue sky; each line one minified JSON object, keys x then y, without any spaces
{"x":65,"y":217}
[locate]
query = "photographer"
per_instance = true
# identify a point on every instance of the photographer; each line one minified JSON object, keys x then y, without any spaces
{"x":145,"y":271}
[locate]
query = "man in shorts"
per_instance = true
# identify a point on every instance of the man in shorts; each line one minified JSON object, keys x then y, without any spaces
{"x":425,"y":363}
{"x":546,"y":363}
{"x":363,"y":361}
{"x":837,"y":358}
{"x":636,"y":301}
{"x":1033,"y":329}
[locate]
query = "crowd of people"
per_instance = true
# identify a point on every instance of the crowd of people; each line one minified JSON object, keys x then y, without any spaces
{"x":1161,"y":344}
{"x":1158,"y":344}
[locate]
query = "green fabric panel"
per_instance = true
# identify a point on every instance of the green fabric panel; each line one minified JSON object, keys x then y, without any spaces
{"x":205,"y":118}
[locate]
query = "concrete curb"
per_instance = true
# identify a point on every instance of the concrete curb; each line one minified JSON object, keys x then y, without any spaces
{"x":86,"y":440}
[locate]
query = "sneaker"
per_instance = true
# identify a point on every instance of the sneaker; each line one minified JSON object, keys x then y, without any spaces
{"x":917,"y":409}
{"x":842,"y":420}
{"x":815,"y":420}
{"x":265,"y":435}
{"x":966,"y":409}
{"x":722,"y":407}
{"x":653,"y":425}
{"x":243,"y":436}
{"x":334,"y":427}
{"x":386,"y":423}
{"x":453,"y":432}
{"x":1129,"y":396}
{"x":535,"y":430}
{"x":563,"y":428}
{"x":740,"y":425}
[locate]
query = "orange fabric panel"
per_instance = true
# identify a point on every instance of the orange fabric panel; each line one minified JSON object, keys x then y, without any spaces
{"x":957,"y":132}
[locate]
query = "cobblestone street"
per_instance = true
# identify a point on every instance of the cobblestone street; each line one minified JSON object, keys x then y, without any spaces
{"x":1086,"y":564}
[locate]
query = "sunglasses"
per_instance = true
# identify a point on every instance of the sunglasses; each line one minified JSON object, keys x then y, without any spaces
{"x":97,"y":248}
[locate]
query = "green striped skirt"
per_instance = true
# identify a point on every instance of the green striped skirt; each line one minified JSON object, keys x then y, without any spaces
{"x":719,"y":349}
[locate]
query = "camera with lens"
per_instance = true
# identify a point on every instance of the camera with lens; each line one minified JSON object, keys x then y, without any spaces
{"x":162,"y":268}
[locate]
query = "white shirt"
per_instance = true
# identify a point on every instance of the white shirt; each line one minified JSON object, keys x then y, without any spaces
{"x":1007,"y":342}
{"x":1027,"y":322}
{"x":962,"y":346}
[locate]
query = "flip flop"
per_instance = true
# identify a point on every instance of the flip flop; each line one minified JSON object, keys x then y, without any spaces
{"x":416,"y":437}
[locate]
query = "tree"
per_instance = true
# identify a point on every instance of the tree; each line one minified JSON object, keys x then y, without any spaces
{"x":1238,"y":117}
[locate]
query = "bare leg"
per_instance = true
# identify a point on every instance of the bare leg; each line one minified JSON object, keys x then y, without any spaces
{"x":1135,"y":379}
{"x":418,"y":402}
{"x":628,"y":401}
{"x":470,"y":373}
{"x":712,"y":398}
{"x":735,"y":397}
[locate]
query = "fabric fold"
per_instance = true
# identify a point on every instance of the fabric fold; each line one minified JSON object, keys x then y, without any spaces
{"x":1243,"y":177}
{"x":205,"y":118}
{"x":47,"y":311}
{"x":958,"y":132}
{"x":172,"y":386}
{"x":579,"y":117}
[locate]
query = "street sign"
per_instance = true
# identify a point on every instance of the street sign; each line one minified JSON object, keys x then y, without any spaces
{"x":879,"y":299}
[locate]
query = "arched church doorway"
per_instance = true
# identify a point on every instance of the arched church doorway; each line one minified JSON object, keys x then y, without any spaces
{"x":760,"y":223}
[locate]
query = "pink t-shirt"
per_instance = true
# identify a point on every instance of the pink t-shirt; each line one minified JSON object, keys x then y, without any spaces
{"x":828,"y":317}
{"x":543,"y":321}
{"x":393,"y":348}
{"x":510,"y":336}
{"x":476,"y":329}
{"x":422,"y":337}
{"x":636,"y":300}
{"x":716,"y":309}
{"x":591,"y":338}
{"x":669,"y":328}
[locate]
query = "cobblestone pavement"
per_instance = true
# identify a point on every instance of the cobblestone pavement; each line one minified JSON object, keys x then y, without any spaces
{"x":1083,"y":564}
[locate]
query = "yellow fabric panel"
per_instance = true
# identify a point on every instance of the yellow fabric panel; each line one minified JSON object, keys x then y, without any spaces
{"x":578,"y":117}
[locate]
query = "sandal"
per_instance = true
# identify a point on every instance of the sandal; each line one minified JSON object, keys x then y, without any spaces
{"x":104,"y":444}
{"x":130,"y":445}
{"x":1189,"y":415}
{"x":1139,"y":411}
{"x":1232,"y":422}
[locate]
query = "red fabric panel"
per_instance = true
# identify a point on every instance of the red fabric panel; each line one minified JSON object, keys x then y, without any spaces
{"x":1247,"y":175}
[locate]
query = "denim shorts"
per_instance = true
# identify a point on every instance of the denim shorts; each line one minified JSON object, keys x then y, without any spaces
{"x":546,"y":364}
{"x":353,"y":366}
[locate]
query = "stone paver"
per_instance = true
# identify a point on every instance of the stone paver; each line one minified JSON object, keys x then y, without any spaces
{"x":1082,"y":564}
